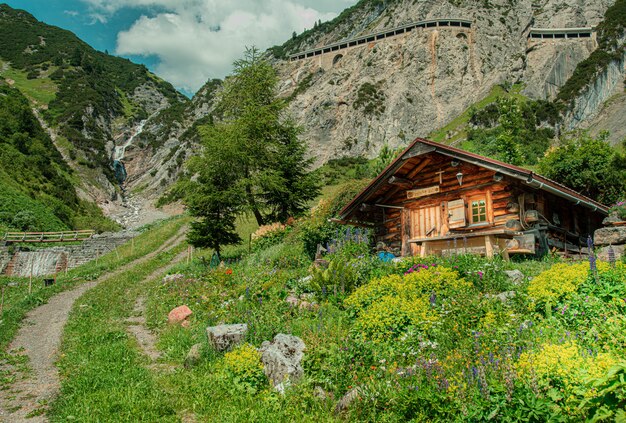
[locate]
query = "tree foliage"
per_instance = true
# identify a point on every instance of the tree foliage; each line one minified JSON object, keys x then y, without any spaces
{"x":511,"y":130}
{"x":588,"y":165}
{"x":253,"y":160}
{"x":214,"y":196}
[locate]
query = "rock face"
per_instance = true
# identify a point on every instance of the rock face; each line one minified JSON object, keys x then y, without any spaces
{"x":610,"y":236}
{"x":224,"y":337}
{"x":590,"y":102}
{"x":392,"y":90}
{"x":282,"y":358}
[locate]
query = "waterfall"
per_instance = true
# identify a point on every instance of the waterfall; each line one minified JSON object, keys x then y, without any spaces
{"x":120,"y":171}
{"x":120,"y":150}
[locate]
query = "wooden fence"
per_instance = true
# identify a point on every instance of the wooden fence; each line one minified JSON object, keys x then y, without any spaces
{"x":36,"y":237}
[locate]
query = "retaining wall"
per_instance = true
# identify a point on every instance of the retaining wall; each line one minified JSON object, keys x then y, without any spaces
{"x":48,"y":261}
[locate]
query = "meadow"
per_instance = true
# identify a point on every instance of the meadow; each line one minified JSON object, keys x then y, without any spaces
{"x":433,"y":339}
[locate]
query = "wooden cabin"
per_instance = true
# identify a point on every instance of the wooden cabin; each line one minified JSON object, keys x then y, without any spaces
{"x":437,"y":199}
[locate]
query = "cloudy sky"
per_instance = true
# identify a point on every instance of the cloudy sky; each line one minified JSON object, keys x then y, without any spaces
{"x":184,"y":41}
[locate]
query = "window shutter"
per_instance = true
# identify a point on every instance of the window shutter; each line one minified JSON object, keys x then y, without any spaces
{"x":456,"y":214}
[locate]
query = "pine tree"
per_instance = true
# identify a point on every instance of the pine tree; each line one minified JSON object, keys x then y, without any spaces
{"x":252,"y":159}
{"x":213,"y":195}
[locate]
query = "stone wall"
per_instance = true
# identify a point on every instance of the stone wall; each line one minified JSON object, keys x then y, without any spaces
{"x":48,"y":261}
{"x":5,"y":258}
{"x":613,"y":235}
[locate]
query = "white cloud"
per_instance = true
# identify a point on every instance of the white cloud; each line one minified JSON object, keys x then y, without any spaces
{"x":72,"y":13}
{"x":199,"y":39}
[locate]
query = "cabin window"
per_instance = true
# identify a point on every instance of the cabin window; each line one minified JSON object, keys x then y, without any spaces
{"x":478,"y":210}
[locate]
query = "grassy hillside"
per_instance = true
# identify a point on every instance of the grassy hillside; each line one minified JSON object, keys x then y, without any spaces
{"x":36,"y":186}
{"x":421,"y":339}
{"x":84,"y":90}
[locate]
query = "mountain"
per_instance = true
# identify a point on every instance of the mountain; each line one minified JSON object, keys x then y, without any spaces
{"x":124,"y":133}
{"x":37,"y":187}
{"x":352,"y":101}
{"x":91,"y":104}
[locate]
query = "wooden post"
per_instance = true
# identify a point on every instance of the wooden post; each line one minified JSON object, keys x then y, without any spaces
{"x":488,"y":247}
{"x":406,"y":232}
{"x":30,"y":281}
{"x":132,"y":246}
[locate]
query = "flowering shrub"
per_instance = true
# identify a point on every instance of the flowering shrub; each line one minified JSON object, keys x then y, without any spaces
{"x":387,"y":306}
{"x":619,"y":209}
{"x":268,"y":235}
{"x":390,"y":316}
{"x":557,"y":282}
{"x":562,"y":365}
{"x":267,"y":230}
{"x":244,"y":365}
{"x":562,"y":370}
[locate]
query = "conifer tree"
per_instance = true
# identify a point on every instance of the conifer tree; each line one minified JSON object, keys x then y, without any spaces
{"x":252,"y":159}
{"x":274,"y":171}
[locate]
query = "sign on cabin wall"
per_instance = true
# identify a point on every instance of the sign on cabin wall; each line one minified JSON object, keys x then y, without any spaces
{"x":422,"y":192}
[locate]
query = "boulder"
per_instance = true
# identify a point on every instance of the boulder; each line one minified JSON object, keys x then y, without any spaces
{"x":179,"y":314}
{"x":321,"y":394}
{"x":515,"y":276}
{"x":193,"y":356}
{"x":503,"y":296}
{"x":292,"y":300}
{"x":347,"y":400}
{"x":282,"y":358}
{"x":614,"y":235}
{"x":618,"y":252}
{"x":224,"y":337}
{"x":611,"y":219}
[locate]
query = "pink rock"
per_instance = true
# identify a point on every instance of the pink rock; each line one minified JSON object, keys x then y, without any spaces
{"x":179,"y":314}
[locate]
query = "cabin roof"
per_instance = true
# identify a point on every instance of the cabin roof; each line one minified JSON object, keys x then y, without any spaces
{"x":423,"y":146}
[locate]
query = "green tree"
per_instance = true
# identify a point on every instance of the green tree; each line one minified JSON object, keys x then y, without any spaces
{"x":271,"y":158}
{"x":212,"y":194}
{"x":588,"y":165}
{"x":385,"y":157}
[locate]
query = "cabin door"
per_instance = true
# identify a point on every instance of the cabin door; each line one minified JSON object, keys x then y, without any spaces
{"x":426,"y":222}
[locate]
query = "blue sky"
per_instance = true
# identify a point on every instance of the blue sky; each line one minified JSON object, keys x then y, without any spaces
{"x":184,"y":41}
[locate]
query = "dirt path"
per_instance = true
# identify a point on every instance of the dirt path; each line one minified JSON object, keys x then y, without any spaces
{"x":137,"y":324}
{"x":39,"y":338}
{"x":137,"y":327}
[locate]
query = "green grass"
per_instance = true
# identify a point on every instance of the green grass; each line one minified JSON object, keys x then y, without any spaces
{"x":17,"y":301}
{"x":40,"y":90}
{"x":104,"y":374}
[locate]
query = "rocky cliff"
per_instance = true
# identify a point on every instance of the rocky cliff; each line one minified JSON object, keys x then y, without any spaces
{"x":392,"y":90}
